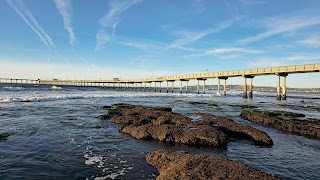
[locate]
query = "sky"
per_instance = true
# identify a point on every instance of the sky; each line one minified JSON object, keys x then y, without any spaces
{"x":103,"y":39}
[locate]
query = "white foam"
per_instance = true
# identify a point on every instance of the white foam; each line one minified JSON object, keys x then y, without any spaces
{"x":14,"y":88}
{"x":94,"y":160}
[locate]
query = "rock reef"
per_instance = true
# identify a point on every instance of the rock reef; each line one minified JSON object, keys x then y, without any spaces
{"x":196,"y":129}
{"x":181,"y":165}
{"x":286,"y":121}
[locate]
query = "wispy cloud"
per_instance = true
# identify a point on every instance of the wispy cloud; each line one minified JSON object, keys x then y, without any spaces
{"x":102,"y":39}
{"x":226,"y":53}
{"x":285,"y":60}
{"x":312,"y":41}
{"x":152,"y":47}
{"x":65,"y":9}
{"x":275,"y":26}
{"x":26,"y":15}
{"x":233,"y":50}
{"x":189,"y":37}
{"x":252,"y":2}
{"x":112,"y":19}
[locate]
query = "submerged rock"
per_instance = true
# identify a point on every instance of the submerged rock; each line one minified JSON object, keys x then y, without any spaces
{"x":163,"y":125}
{"x":285,"y":121}
{"x":181,"y":165}
{"x":244,"y":106}
{"x":196,"y":102}
{"x":4,"y":136}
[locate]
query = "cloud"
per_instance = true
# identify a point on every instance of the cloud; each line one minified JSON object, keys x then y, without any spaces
{"x":312,"y":41}
{"x":232,"y":50}
{"x":189,"y":37}
{"x":65,"y":9}
{"x":28,"y":18}
{"x":112,"y":19}
{"x":287,"y":60}
{"x":226,"y":53}
{"x":275,"y":26}
{"x":151,"y":47}
{"x":102,"y":39}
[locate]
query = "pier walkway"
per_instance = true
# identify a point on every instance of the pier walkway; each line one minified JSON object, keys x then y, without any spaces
{"x":281,"y":71}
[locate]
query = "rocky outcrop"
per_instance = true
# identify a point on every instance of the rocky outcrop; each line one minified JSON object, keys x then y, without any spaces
{"x":163,"y":125}
{"x":181,"y":165}
{"x":286,"y":121}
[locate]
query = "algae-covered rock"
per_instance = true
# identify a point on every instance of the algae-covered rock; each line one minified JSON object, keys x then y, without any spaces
{"x":163,"y":125}
{"x":283,"y":120}
{"x":181,"y":165}
{"x":4,"y":136}
{"x":244,"y":106}
{"x":196,"y":102}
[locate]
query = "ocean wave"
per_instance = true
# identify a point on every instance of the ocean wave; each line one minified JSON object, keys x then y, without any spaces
{"x":14,"y":88}
{"x":25,"y":97}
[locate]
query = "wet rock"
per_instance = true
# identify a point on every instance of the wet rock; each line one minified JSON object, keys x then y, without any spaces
{"x":196,"y":102}
{"x":97,"y":127}
{"x":103,"y":116}
{"x":285,"y":121}
{"x":122,"y":105}
{"x":234,"y":129}
{"x":243,"y":106}
{"x":4,"y":136}
{"x":164,"y":125}
{"x":106,"y":107}
{"x":212,"y":105}
{"x":181,"y":165}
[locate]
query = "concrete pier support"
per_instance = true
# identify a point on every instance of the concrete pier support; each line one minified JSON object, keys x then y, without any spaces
{"x":180,"y":87}
{"x":145,"y":86}
{"x":219,"y":85}
{"x":278,"y":89}
{"x":172,"y":87}
{"x":225,"y":87}
{"x":198,"y":86}
{"x":167,"y":87}
{"x":251,"y":88}
{"x":245,"y":88}
{"x":155,"y":86}
{"x":135,"y":89}
{"x":284,"y":89}
{"x":204,"y":87}
{"x":150,"y":87}
{"x":187,"y":87}
{"x":160,"y":86}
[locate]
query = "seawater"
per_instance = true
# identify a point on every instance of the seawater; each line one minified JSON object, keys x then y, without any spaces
{"x":54,"y":136}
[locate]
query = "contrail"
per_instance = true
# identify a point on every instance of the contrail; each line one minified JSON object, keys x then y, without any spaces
{"x":28,"y":18}
{"x":65,"y":9}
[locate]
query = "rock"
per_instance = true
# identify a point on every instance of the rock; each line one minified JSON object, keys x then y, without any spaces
{"x":243,"y":106}
{"x":181,"y":165}
{"x":212,"y":105}
{"x":4,"y":136}
{"x":106,"y":107}
{"x":195,"y":102}
{"x":233,"y":129}
{"x":284,"y":121}
{"x":164,"y":125}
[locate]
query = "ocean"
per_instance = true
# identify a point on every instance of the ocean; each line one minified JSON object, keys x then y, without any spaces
{"x":54,"y":133}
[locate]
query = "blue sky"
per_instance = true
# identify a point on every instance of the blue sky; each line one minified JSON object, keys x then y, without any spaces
{"x":93,"y":39}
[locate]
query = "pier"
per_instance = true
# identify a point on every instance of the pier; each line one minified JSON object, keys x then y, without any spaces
{"x":282,"y":72}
